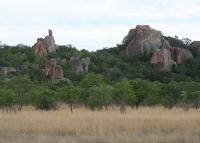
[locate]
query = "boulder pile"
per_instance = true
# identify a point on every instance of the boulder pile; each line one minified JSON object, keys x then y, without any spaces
{"x":45,"y":46}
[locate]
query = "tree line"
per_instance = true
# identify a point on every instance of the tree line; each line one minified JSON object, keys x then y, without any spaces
{"x":95,"y":93}
{"x":114,"y":79}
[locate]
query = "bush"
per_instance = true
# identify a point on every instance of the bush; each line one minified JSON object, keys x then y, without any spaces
{"x":44,"y":100}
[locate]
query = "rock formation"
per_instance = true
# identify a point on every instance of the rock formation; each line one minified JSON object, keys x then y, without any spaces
{"x":85,"y":63}
{"x":81,"y":65}
{"x":196,"y":44}
{"x":161,"y":59}
{"x":45,"y":46}
{"x":179,"y":55}
{"x":52,"y":70}
{"x":5,"y":70}
{"x":146,"y":39}
{"x":39,"y":47}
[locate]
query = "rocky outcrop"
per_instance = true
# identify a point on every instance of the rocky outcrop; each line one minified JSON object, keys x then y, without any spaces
{"x":39,"y":47}
{"x":81,"y":65}
{"x":85,"y":62}
{"x":196,"y":44}
{"x":161,"y":59}
{"x":179,"y":55}
{"x":45,"y":46}
{"x":146,"y":39}
{"x":75,"y":59}
{"x":52,"y":70}
{"x":5,"y":70}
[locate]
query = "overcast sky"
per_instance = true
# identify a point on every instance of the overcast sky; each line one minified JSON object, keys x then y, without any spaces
{"x":95,"y":24}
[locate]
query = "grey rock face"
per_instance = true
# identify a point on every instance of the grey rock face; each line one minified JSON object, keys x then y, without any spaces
{"x":50,"y":44}
{"x":5,"y":70}
{"x":85,"y":63}
{"x":82,"y":65}
{"x":58,"y":72}
{"x":146,"y":40}
{"x":50,"y":32}
{"x":179,"y":54}
{"x":166,"y":44}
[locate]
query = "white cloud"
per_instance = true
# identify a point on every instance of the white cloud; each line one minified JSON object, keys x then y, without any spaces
{"x":94,"y":24}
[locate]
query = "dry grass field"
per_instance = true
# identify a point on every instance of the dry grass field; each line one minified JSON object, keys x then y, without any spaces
{"x":145,"y":125}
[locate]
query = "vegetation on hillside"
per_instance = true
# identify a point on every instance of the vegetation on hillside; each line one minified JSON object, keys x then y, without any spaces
{"x":114,"y":78}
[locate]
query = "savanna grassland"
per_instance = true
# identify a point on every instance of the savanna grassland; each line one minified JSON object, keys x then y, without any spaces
{"x":145,"y":125}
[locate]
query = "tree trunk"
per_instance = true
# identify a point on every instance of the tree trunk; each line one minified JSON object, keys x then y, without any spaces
{"x":71,"y":108}
{"x":122,"y":107}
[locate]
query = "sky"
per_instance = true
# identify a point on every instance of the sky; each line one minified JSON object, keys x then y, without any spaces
{"x":95,"y":24}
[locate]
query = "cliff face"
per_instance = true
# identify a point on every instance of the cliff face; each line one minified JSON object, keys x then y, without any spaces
{"x":161,"y":59}
{"x":179,"y":55}
{"x":45,"y":46}
{"x":146,"y":39}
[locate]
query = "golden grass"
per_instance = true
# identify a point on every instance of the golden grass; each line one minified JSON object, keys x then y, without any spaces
{"x":145,"y":125}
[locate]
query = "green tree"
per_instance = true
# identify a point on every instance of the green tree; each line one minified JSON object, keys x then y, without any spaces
{"x":21,"y":86}
{"x":70,"y":94}
{"x":143,"y":89}
{"x":8,"y":98}
{"x":44,"y":99}
{"x":100,"y":96}
{"x":124,"y":93}
{"x":168,"y":101}
{"x":88,"y":82}
{"x":151,"y":100}
{"x":184,"y":96}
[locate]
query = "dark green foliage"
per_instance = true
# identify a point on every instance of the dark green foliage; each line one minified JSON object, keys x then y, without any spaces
{"x":143,"y":89}
{"x":8,"y":98}
{"x":62,"y":83}
{"x":168,"y":102}
{"x":70,"y":95}
{"x":22,"y":87}
{"x":44,"y":100}
{"x":174,"y":42}
{"x":100,"y":96}
{"x":151,"y":100}
{"x":124,"y":93}
{"x":15,"y":56}
{"x":113,"y":78}
{"x":87,"y":83}
{"x":36,"y":75}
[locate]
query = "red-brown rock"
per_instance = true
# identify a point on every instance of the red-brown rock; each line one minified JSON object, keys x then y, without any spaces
{"x":162,"y":60}
{"x":40,"y":48}
{"x":53,"y":70}
{"x":45,"y":46}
